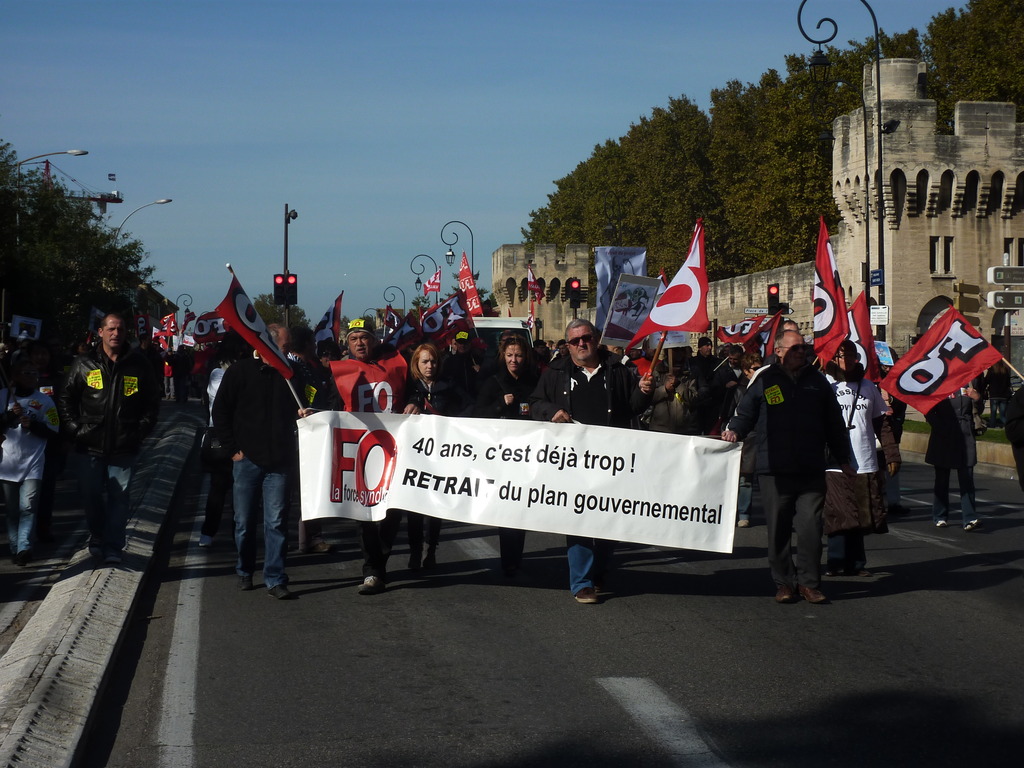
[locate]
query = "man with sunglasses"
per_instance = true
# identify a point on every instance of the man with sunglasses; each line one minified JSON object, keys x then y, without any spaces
{"x":795,"y":414}
{"x":589,"y":386}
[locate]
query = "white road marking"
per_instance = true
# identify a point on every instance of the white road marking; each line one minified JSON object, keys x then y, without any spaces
{"x":665,"y":722}
{"x":178,"y":707}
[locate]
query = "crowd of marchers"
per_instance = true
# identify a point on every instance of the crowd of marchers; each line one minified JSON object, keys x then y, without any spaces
{"x":819,"y":440}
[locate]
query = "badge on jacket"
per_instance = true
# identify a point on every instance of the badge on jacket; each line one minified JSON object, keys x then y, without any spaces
{"x":94,"y":378}
{"x":131,"y":385}
{"x":773,"y":395}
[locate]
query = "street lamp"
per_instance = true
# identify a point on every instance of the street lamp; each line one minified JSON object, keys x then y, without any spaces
{"x":17,"y":210}
{"x":422,"y":269}
{"x":390,"y":298}
{"x":450,"y":256}
{"x":184,"y":301}
{"x":162,"y":201}
{"x":820,"y":66}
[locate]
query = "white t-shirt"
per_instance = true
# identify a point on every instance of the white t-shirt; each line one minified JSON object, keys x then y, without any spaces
{"x":868,"y":405}
{"x":23,"y":452}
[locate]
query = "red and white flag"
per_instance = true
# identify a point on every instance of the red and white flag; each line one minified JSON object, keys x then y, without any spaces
{"x":392,"y":320}
{"x":684,"y":304}
{"x":329,"y":326}
{"x":406,"y":332}
{"x":169,"y":324}
{"x":442,"y":321}
{"x":433,"y":284}
{"x":863,"y":338}
{"x":209,"y":328}
{"x":468,"y":286}
{"x":831,"y":324}
{"x":532,"y":285}
{"x":944,"y":359}
{"x":745,"y":332}
{"x":241,"y":316}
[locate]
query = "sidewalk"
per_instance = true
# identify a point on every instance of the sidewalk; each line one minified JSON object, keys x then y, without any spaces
{"x":63,"y":616}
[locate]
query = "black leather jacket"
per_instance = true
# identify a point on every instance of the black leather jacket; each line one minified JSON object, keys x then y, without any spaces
{"x":109,"y":407}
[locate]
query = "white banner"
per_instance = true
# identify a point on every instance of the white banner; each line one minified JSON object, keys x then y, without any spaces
{"x":617,"y":484}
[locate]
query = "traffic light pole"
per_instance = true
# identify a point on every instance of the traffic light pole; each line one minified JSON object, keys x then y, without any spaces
{"x":289,"y":217}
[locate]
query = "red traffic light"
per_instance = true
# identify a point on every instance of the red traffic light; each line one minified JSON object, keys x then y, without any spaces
{"x":278,"y":279}
{"x":574,"y":285}
{"x":292,"y":279}
{"x":773,"y":289}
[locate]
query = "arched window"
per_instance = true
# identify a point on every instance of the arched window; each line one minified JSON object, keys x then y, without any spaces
{"x":970,"y":193}
{"x":922,"y":192}
{"x":1018,"y":195}
{"x":898,"y":182}
{"x":510,"y":290}
{"x":554,"y":288}
{"x":946,"y":191}
{"x":995,"y":195}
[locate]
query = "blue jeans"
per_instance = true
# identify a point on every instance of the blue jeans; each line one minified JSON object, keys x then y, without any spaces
{"x":588,"y":559}
{"x":107,"y":521}
{"x":22,"y":499}
{"x":249,"y":479}
{"x":997,"y":412}
{"x":745,"y":497}
{"x":940,"y":503}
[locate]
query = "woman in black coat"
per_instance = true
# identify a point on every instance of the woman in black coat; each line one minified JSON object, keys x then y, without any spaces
{"x":952,"y":446}
{"x":506,"y":395}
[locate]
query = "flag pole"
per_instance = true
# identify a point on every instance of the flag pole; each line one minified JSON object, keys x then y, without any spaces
{"x":1010,"y":366}
{"x":657,"y":352}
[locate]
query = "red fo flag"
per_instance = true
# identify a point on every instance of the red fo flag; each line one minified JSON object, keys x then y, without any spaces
{"x":442,"y":321}
{"x":329,"y":326}
{"x":405,"y":333}
{"x":863,"y":338}
{"x":831,"y":324}
{"x":433,"y":284}
{"x":532,"y":285}
{"x":684,"y":304}
{"x":241,"y":316}
{"x":947,"y":357}
{"x":745,"y":332}
{"x":468,"y":286}
{"x":169,"y":324}
{"x":209,"y":327}
{"x":392,"y":320}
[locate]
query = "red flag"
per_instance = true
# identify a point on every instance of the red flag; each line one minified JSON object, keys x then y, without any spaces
{"x":329,"y":326}
{"x":444,"y":320}
{"x":683,"y":305}
{"x":947,"y":357}
{"x":532,"y":285}
{"x":143,"y":327}
{"x":745,"y":332}
{"x":831,"y":324}
{"x":405,"y":333}
{"x":433,"y":284}
{"x":209,"y":327}
{"x":766,"y":336}
{"x":863,"y":338}
{"x":169,"y":324}
{"x":468,"y":286}
{"x":392,"y":320}
{"x":241,"y":316}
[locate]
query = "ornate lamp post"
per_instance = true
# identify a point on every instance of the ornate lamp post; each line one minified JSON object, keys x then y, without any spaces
{"x":390,"y":296}
{"x":422,"y":268}
{"x":450,"y":256}
{"x":184,"y":301}
{"x":819,"y":72}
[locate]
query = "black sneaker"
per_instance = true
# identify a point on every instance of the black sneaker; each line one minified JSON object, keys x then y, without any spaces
{"x":245,"y":582}
{"x":280,"y":592}
{"x":23,"y":558}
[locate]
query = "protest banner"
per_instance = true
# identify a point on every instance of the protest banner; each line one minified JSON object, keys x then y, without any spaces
{"x":623,"y":485}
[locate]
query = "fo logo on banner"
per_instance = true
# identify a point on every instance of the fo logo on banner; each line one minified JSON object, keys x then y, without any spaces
{"x":363,"y":464}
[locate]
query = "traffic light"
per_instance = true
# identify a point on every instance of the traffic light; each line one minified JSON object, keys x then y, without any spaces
{"x":286,"y":289}
{"x":575,"y":292}
{"x":773,"y":298}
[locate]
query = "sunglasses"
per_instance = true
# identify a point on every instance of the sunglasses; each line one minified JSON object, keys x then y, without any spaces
{"x":586,"y":338}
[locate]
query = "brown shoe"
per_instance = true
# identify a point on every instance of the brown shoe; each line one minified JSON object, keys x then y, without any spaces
{"x":587,"y":595}
{"x":812,"y":595}
{"x":785,"y":594}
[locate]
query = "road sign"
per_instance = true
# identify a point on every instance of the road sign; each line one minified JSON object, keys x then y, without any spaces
{"x":1006,"y":276}
{"x":878,"y":314}
{"x":1005,"y":299}
{"x":877,"y":277}
{"x":755,"y":310}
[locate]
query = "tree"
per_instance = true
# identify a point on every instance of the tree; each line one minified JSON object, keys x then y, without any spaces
{"x":273,"y":313}
{"x":59,"y":258}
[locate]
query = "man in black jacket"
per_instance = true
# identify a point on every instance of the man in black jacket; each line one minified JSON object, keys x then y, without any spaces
{"x":591,"y":387}
{"x":254,"y":415}
{"x":109,"y":404}
{"x":794,"y":411}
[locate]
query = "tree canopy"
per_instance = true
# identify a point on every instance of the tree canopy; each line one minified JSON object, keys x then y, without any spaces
{"x":756,"y":169}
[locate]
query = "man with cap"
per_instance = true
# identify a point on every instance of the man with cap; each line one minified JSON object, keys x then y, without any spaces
{"x":462,"y":367}
{"x":372,"y":380}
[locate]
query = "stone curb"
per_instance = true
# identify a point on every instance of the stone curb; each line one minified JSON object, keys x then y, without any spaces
{"x":53,"y":673}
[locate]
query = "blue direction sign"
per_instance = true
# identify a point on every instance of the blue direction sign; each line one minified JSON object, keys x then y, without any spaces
{"x":877,"y":277}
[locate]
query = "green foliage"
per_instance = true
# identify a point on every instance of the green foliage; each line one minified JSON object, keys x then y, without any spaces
{"x":58,"y":258}
{"x":756,"y":170}
{"x":265,"y":307}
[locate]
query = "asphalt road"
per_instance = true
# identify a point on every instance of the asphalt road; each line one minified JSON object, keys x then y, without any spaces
{"x":688,"y":662}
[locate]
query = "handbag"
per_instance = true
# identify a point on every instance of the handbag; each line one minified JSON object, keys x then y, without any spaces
{"x":211,"y":451}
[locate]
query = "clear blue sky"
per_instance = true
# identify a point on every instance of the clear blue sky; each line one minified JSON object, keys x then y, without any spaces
{"x":378,"y":121}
